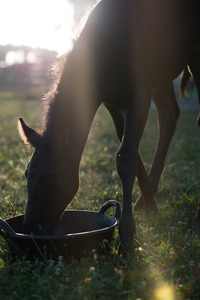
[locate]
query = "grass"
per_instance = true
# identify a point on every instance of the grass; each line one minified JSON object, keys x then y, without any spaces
{"x":167,"y":261}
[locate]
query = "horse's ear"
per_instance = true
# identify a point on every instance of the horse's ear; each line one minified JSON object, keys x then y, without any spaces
{"x":28,"y":135}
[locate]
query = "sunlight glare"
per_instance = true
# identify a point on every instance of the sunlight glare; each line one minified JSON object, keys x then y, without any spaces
{"x":164,"y":293}
{"x":37,"y":23}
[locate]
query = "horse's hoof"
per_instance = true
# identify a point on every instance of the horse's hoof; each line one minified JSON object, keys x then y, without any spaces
{"x":126,"y":251}
{"x":139,"y":204}
{"x":150,"y":207}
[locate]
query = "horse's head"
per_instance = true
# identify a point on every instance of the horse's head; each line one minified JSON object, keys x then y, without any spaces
{"x":52,"y":181}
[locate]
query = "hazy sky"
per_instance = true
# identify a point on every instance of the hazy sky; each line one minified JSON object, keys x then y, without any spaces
{"x":36,"y":23}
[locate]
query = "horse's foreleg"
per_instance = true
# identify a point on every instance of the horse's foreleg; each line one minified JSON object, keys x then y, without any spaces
{"x":145,"y":181}
{"x":148,"y":189}
{"x":118,"y":120}
{"x":127,"y":167}
{"x":168,"y":113}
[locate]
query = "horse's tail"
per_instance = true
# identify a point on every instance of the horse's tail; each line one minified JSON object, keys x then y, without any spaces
{"x":183,"y":87}
{"x":184,"y":80}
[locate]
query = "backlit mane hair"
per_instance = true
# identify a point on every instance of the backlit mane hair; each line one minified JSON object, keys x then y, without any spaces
{"x":58,"y":68}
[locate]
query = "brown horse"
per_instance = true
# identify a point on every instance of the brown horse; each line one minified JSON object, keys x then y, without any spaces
{"x":128,"y":52}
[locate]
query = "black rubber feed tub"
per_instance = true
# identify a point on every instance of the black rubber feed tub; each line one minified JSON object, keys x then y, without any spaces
{"x":80,"y":233}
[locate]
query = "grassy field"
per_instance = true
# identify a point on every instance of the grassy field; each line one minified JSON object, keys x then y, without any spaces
{"x":167,"y":261}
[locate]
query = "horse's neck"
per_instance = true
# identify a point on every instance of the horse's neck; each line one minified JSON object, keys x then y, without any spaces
{"x":72,"y":111}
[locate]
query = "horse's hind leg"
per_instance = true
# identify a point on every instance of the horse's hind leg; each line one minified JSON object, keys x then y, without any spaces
{"x":195,"y":69}
{"x":168,"y":113}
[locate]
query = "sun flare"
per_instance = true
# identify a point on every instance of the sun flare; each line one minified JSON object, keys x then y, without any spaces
{"x":164,"y":293}
{"x":39,"y":23}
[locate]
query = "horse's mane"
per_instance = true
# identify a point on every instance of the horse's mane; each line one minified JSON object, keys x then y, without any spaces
{"x":49,"y":97}
{"x":57,"y":70}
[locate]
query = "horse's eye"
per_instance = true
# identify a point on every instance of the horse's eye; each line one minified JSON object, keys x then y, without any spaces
{"x":26,"y":173}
